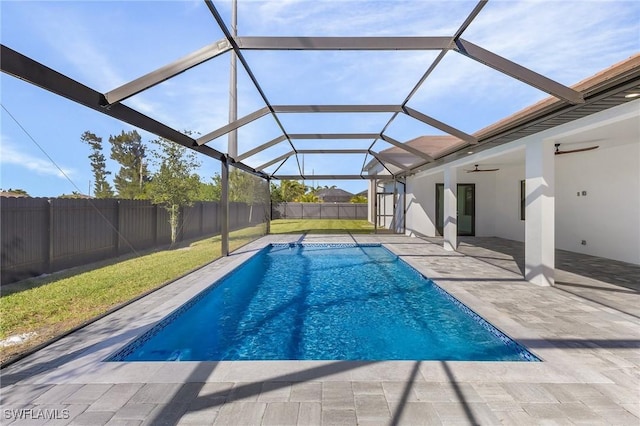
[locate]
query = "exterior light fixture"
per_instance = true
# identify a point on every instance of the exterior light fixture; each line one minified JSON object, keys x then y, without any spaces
{"x":469,"y":152}
{"x":632,"y":95}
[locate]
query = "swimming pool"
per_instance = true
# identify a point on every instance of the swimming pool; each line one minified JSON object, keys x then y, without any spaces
{"x":323,"y":302}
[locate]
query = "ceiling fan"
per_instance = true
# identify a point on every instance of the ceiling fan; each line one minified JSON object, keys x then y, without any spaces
{"x":570,"y":151}
{"x":476,"y":170}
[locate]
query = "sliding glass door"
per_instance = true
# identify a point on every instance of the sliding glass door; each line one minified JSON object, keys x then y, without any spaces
{"x":466,"y":212}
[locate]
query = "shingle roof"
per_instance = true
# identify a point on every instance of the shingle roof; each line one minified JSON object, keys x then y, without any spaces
{"x":333,"y":192}
{"x":547,"y":113}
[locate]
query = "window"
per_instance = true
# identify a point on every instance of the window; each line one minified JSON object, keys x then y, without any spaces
{"x":522,"y":199}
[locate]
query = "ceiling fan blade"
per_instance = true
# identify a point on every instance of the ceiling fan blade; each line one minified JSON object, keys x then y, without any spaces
{"x":571,"y":151}
{"x":476,"y":170}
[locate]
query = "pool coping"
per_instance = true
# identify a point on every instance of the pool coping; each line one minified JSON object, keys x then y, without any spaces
{"x":89,"y":366}
{"x":589,"y":373}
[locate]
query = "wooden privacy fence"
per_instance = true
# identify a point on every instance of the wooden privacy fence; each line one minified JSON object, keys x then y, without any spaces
{"x":44,"y":235}
{"x":319,"y":211}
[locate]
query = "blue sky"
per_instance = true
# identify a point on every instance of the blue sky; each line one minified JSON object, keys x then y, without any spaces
{"x":106,"y":44}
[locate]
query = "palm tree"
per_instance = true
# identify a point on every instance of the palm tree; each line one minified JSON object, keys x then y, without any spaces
{"x":309,"y":197}
{"x":358,"y":199}
{"x":291,"y":189}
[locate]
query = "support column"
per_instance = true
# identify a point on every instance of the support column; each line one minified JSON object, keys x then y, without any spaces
{"x":270,"y":213}
{"x":394,"y":218}
{"x":232,"y":144}
{"x":224,"y":206}
{"x":539,"y":259}
{"x":374,"y":213}
{"x":450,"y":229}
{"x":404,"y":206}
{"x":371,"y":200}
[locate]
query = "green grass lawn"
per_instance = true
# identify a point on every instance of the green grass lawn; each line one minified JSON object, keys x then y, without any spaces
{"x":50,"y":306}
{"x":320,"y":226}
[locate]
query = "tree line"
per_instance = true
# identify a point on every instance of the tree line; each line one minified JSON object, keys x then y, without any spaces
{"x":291,"y":190}
{"x":175,"y":182}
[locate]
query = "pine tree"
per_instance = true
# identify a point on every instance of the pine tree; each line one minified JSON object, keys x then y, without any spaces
{"x":129,"y":151}
{"x":101,"y":187}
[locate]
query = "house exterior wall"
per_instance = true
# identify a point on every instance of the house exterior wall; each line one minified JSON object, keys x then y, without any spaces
{"x":607,"y":218}
{"x":485,"y":195}
{"x":421,"y":197}
{"x":506,"y":210}
{"x":421,"y":210}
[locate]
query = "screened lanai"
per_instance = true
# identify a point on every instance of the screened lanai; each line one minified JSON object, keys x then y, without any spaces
{"x":317,"y":93}
{"x":400,"y":97}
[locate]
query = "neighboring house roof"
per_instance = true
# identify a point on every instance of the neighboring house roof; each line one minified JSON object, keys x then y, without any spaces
{"x":333,"y":192}
{"x":601,"y":91}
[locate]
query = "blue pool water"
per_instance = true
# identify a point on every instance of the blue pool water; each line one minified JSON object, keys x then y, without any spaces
{"x":323,"y":302}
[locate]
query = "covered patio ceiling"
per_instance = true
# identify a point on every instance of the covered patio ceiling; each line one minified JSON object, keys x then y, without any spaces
{"x":565,"y":104}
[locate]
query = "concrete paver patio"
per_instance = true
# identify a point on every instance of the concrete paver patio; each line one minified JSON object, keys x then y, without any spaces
{"x":587,"y":332}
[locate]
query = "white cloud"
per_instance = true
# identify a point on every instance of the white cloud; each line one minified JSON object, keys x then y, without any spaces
{"x":39,"y":165}
{"x":566,"y":41}
{"x":72,"y":39}
{"x":347,"y":18}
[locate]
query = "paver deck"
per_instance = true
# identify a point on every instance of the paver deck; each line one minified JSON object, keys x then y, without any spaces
{"x":586,"y":331}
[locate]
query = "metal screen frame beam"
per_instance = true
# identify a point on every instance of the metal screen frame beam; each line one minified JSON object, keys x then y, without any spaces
{"x":474,"y":13}
{"x":262,"y":147}
{"x":382,"y":158}
{"x":168,"y":71}
{"x":233,"y":126}
{"x":224,"y":206}
{"x":344,"y":43}
{"x":518,"y":72}
{"x":364,"y":163}
{"x":336,"y":108}
{"x":280,"y":165}
{"x":440,"y":125}
{"x":275,"y":160}
{"x":33,"y":72}
{"x":306,"y":136}
{"x":232,"y":40}
{"x":287,"y":109}
{"x":333,"y":151}
{"x":25,"y":68}
{"x":406,"y":147}
{"x":322,"y":177}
